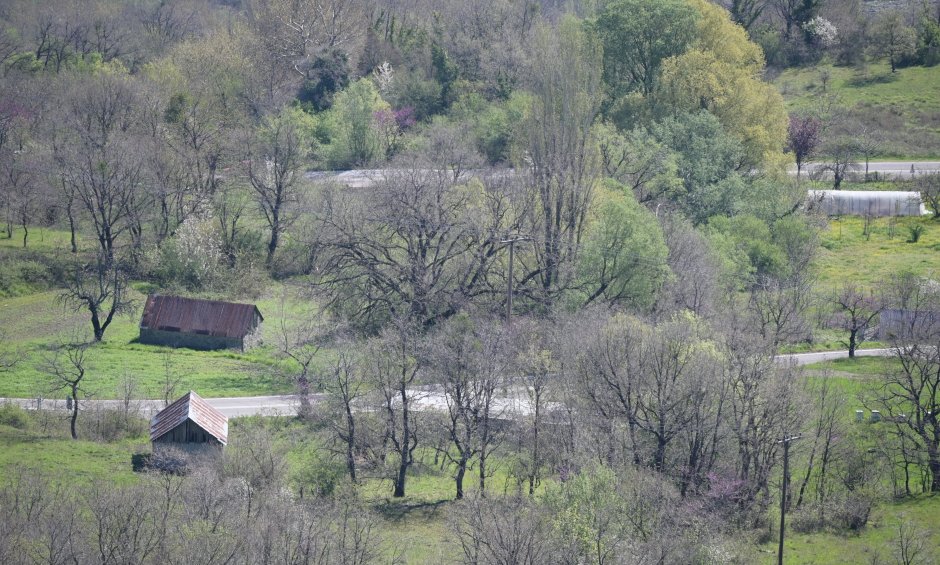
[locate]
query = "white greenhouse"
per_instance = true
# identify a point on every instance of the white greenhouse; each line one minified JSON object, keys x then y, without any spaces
{"x":866,"y":203}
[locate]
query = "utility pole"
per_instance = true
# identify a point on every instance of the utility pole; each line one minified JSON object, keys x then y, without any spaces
{"x":511,"y":240}
{"x":783,"y":490}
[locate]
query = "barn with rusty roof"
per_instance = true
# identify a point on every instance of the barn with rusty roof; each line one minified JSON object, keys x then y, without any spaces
{"x":200,"y":324}
{"x":189,"y":421}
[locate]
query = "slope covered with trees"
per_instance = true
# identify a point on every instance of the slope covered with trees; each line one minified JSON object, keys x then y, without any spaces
{"x":582,"y":208}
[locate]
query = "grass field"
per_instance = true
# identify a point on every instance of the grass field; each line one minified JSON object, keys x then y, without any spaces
{"x":903,"y":106}
{"x":34,"y":322}
{"x":848,"y":255}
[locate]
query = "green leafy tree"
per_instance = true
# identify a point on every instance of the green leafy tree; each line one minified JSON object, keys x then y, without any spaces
{"x":894,"y":40}
{"x":624,"y":255}
{"x":355,"y":141}
{"x":708,"y":161}
{"x":638,"y":35}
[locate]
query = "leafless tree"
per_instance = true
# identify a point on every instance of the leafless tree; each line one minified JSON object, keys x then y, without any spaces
{"x":417,"y":245}
{"x":295,"y":31}
{"x":67,"y":365}
{"x":345,"y":385}
{"x":122,"y":524}
{"x":468,"y":357}
{"x":101,"y":163}
{"x":566,"y":82}
{"x":761,"y":408}
{"x":273,"y":164}
{"x":537,"y":366}
{"x":99,"y":288}
{"x":10,"y":355}
{"x":827,"y":405}
{"x":747,"y":12}
{"x":910,"y":543}
{"x":504,"y":532}
{"x":299,"y":342}
{"x":855,"y":310}
{"x":396,"y":360}
{"x":778,"y":307}
{"x":258,"y":460}
{"x":695,"y":284}
{"x":929,"y":187}
{"x":909,"y":392}
{"x":839,"y":159}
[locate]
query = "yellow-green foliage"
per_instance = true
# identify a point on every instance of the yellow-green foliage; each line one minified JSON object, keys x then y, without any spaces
{"x":722,"y":70}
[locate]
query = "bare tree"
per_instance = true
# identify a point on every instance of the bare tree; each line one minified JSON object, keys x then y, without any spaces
{"x":67,"y":365}
{"x":295,"y":31}
{"x":273,"y":165}
{"x":468,"y":357}
{"x":9,"y":356}
{"x":566,"y":82}
{"x":101,"y":289}
{"x":102,"y":163}
{"x":345,"y":386}
{"x":747,"y":12}
{"x":929,"y":187}
{"x":505,"y":531}
{"x":300,"y":342}
{"x":909,"y":392}
{"x":827,"y":405}
{"x":910,"y":543}
{"x":839,"y":158}
{"x":779,"y":306}
{"x":855,"y":311}
{"x":417,"y":245}
{"x":395,"y":361}
{"x":537,"y":367}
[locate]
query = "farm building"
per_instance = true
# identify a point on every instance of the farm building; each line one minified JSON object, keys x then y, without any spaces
{"x":200,"y":324}
{"x":878,"y":203}
{"x":908,"y":325}
{"x":189,"y":422}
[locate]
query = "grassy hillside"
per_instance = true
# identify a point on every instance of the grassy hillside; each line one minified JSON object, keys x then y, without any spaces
{"x":903,"y":106}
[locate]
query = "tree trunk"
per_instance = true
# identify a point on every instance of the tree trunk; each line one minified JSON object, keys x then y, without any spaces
{"x":461,"y":471}
{"x":272,"y":244}
{"x":853,"y":342}
{"x":934,"y":465}
{"x":350,"y":444}
{"x":404,"y":451}
{"x":71,"y":226}
{"x":74,"y":412}
{"x":96,"y":324}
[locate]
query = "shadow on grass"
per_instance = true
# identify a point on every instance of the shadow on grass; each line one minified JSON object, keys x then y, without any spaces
{"x":395,"y":510}
{"x":863,"y":80}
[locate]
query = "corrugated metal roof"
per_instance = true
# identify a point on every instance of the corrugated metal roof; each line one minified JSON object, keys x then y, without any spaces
{"x":193,"y":407}
{"x":205,"y":317}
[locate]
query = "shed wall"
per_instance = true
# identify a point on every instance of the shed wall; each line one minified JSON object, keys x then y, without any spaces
{"x":187,"y":432}
{"x":193,"y":341}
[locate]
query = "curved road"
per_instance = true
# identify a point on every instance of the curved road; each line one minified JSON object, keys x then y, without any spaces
{"x":285,"y":405}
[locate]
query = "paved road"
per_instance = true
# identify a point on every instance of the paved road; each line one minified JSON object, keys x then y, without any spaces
{"x":895,"y":169}
{"x":426,"y":398}
{"x":810,"y":358}
{"x":231,"y":407}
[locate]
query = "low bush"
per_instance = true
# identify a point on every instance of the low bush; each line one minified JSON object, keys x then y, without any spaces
{"x":13,"y":416}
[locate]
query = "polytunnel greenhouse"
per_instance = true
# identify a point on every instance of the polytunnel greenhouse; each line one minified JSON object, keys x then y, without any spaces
{"x":866,"y":203}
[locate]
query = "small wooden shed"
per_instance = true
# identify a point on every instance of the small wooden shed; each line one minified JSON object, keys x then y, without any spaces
{"x":200,"y":324}
{"x":189,"y":422}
